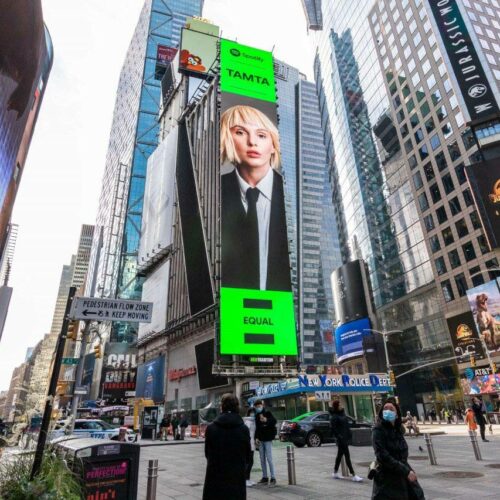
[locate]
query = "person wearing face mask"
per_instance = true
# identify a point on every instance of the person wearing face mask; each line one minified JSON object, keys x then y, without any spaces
{"x":394,"y":479}
{"x":265,"y":432}
{"x":250,"y":423}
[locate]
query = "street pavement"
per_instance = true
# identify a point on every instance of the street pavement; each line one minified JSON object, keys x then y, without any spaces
{"x":182,"y":470}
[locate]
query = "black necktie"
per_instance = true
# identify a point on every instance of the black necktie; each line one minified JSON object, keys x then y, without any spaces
{"x":252,"y":227}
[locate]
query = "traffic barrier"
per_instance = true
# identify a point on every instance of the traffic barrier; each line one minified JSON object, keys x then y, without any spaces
{"x":152,"y":479}
{"x":430,"y":449}
{"x":290,"y":459}
{"x":475,"y":445}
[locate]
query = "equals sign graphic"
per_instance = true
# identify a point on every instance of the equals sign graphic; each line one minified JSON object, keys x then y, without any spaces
{"x":258,"y":338}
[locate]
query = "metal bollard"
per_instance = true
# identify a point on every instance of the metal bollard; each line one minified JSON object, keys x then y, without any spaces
{"x":430,"y":449}
{"x":475,"y":445}
{"x":152,"y":479}
{"x":290,"y":459}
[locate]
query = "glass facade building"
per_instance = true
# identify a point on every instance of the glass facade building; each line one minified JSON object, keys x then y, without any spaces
{"x":396,"y":146}
{"x":133,"y":137}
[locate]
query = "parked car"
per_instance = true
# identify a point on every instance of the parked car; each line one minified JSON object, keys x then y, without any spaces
{"x":313,"y":429}
{"x":93,"y":428}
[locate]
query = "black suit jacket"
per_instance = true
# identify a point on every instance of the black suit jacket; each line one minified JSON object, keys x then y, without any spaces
{"x":233,"y":269}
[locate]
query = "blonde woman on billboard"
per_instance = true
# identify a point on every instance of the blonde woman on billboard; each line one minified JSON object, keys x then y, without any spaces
{"x":254,"y":236}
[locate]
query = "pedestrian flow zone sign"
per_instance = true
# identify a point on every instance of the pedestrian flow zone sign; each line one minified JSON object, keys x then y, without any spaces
{"x":90,"y":308}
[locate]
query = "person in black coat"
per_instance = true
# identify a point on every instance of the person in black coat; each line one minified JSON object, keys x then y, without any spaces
{"x":343,"y":435}
{"x":227,"y":449}
{"x":477,"y":408}
{"x":394,"y":479}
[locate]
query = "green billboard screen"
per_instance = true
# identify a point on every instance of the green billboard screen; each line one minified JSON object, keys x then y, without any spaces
{"x":247,"y":71}
{"x":257,"y":322}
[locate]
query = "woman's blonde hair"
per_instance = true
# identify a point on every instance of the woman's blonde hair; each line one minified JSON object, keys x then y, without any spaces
{"x":239,"y":115}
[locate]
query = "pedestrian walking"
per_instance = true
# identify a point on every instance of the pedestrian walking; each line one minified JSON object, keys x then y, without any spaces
{"x":470,"y":420}
{"x":394,"y":479}
{"x":250,"y":423}
{"x":411,"y":425}
{"x":183,"y":424}
{"x":343,"y":435}
{"x":478,"y":408}
{"x":175,"y":426}
{"x":227,"y":450}
{"x":164,"y":426}
{"x":447,"y":416}
{"x":265,"y":432}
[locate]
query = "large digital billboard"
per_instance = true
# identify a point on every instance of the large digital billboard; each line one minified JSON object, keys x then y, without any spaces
{"x":256,"y":300}
{"x":150,"y":380}
{"x":484,"y":303}
{"x":349,"y":339}
{"x":464,"y":337}
{"x":119,"y":370}
{"x":198,"y":52}
{"x":204,"y":362}
{"x":484,"y":178}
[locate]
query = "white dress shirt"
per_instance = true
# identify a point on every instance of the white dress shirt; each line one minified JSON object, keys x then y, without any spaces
{"x":265,"y":187}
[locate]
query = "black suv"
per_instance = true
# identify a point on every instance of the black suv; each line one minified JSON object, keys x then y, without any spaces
{"x":313,"y":429}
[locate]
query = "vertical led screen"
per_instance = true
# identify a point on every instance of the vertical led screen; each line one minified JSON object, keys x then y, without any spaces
{"x":256,"y":302}
{"x":119,"y":370}
{"x":484,"y":303}
{"x":464,"y":337}
{"x":150,"y":380}
{"x":198,"y":52}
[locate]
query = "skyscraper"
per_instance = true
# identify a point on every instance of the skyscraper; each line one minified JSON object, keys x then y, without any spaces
{"x":397,"y":144}
{"x":5,"y":269}
{"x":133,"y":137}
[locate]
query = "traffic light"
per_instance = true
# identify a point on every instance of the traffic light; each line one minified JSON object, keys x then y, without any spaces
{"x":392,"y":377}
{"x":493,"y":367}
{"x":472,"y":360}
{"x":97,"y":351}
{"x":72,"y":331}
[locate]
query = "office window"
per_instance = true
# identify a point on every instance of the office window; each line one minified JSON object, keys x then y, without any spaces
{"x":408,"y":146}
{"x":425,"y":109}
{"x":435,"y":193}
{"x":435,"y":142}
{"x":468,"y":138}
{"x":454,"y":151}
{"x":448,"y":183}
{"x":455,"y":207}
{"x":461,"y":227}
{"x":414,"y":120}
{"x":404,"y":130}
{"x":447,"y":130}
{"x":429,"y":222}
{"x":429,"y":125}
{"x":435,"y":245}
{"x":483,"y":244}
{"x":422,"y":201}
{"x":442,"y":113}
{"x":454,"y":259}
{"x":440,"y":266}
{"x":447,"y":291}
{"x":476,"y":276}
{"x":419,"y":135}
{"x":476,"y":221}
{"x":469,"y":201}
{"x":441,"y":161}
{"x":447,"y":236}
{"x":460,"y":171}
{"x":441,"y":215}
{"x":469,"y":252}
{"x":428,"y":171}
{"x":412,"y":161}
{"x":417,"y":180}
{"x":424,"y":152}
{"x":461,"y":283}
{"x":400,"y":115}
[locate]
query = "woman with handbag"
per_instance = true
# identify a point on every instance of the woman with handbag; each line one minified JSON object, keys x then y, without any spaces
{"x":393,"y":479}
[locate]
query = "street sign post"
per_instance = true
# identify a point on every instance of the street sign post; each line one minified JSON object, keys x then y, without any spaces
{"x":70,"y":361}
{"x":323,"y":395}
{"x":91,"y":308}
{"x":82,"y":390}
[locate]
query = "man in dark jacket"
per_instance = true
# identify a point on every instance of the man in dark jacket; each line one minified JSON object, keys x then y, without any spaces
{"x":227,"y":449}
{"x":343,"y":435}
{"x":183,"y":424}
{"x":394,"y":479}
{"x":265,"y":432}
{"x":477,"y":408}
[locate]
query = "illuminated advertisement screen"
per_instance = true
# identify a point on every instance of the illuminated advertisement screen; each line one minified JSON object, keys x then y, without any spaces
{"x":464,"y":337}
{"x":256,"y":300}
{"x":349,"y":339}
{"x":107,"y":479}
{"x":150,"y":380}
{"x":246,"y":71}
{"x":198,"y":52}
{"x":119,"y":370}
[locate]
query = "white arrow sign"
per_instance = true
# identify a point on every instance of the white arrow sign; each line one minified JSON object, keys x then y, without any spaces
{"x":90,"y":308}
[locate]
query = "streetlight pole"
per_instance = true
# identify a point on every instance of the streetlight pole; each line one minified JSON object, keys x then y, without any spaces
{"x":384,"y":334}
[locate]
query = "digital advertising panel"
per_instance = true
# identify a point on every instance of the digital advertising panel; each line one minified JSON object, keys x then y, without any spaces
{"x":349,"y":292}
{"x":327,"y":335}
{"x":457,"y":41}
{"x":349,"y":339}
{"x":119,"y":370}
{"x":464,"y":337}
{"x":204,"y":361}
{"x":150,"y":380}
{"x":256,"y":300}
{"x":484,"y":303}
{"x":484,"y":178}
{"x":198,"y":52}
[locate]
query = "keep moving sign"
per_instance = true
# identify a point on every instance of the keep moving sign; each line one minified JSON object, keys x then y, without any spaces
{"x":256,"y":300}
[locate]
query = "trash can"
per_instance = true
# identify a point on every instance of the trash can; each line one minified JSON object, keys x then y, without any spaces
{"x":107,"y":469}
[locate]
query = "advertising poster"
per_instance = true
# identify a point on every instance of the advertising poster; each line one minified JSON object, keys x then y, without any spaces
{"x":107,"y":479}
{"x":484,"y":178}
{"x":348,"y":292}
{"x":484,"y":303}
{"x":464,"y":337}
{"x":327,"y":337}
{"x":204,"y":362}
{"x":164,"y":56}
{"x":198,"y":52}
{"x":349,"y":339}
{"x":257,"y":310}
{"x":119,"y":370}
{"x":150,"y":380}
{"x":481,"y":384}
